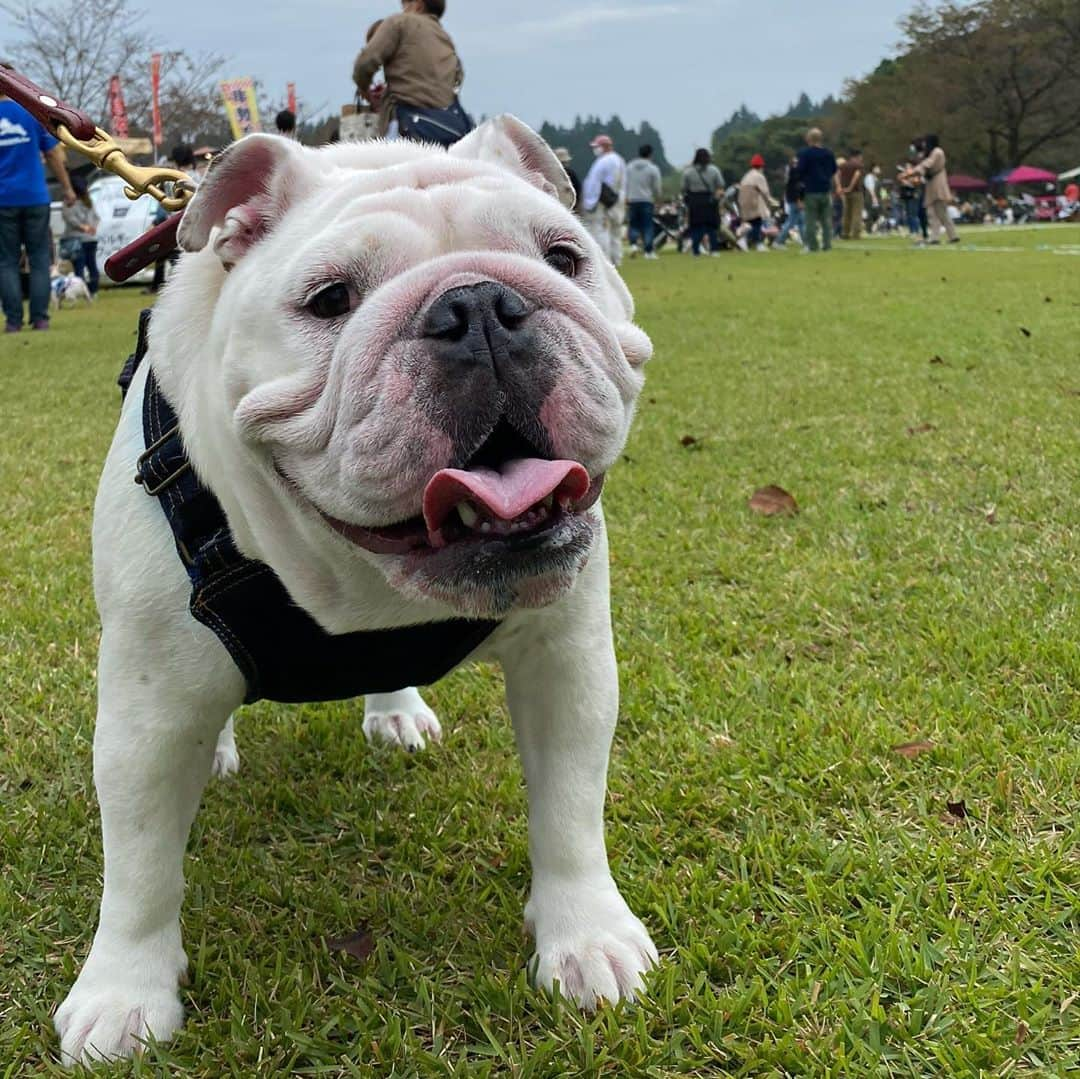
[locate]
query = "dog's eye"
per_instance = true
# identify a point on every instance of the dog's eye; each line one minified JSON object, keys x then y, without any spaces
{"x":562,"y":259}
{"x":331,"y":302}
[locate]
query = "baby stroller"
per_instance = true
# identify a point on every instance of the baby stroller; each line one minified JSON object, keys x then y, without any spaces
{"x":669,"y":226}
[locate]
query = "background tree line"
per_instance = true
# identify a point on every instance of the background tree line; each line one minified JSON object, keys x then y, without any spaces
{"x":998,"y":80}
{"x":627,"y":140}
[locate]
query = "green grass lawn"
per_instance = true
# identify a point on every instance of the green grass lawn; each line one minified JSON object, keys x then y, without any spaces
{"x":819,"y":908}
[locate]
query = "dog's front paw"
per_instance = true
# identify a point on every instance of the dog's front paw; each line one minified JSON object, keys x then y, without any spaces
{"x":113,"y":1009}
{"x":401,"y":719}
{"x":588,"y":940}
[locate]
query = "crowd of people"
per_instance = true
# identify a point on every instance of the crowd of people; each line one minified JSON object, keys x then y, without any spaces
{"x":822,"y":197}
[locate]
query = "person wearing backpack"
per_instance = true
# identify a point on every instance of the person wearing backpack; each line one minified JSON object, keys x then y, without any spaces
{"x":423,"y":75}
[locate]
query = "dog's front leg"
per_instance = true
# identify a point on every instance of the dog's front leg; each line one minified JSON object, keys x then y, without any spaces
{"x":562,"y":688}
{"x":153,"y":750}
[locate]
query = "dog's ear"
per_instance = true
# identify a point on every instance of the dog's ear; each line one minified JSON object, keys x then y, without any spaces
{"x":506,"y":141}
{"x":246,"y":192}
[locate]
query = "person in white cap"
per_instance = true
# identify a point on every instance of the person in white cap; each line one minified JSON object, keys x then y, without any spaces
{"x":603,"y":198}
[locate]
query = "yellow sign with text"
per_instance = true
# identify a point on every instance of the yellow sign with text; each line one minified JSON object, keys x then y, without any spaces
{"x":241,"y":106}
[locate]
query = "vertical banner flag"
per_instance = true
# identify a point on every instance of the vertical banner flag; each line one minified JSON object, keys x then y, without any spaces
{"x":155,"y":89}
{"x":240,"y":106}
{"x":118,"y":120}
{"x":290,"y":93}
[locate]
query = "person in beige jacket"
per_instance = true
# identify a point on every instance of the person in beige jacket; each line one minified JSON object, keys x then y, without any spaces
{"x":755,"y":202}
{"x":418,"y":58}
{"x":937,"y":195}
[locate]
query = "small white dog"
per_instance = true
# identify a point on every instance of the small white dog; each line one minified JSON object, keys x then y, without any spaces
{"x":68,"y":288}
{"x":400,"y":375}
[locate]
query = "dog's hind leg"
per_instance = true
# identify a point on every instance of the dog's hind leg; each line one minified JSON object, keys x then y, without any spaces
{"x":226,"y":755}
{"x":400,"y":718}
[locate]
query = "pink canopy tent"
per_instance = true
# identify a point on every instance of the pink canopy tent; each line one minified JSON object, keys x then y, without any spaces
{"x":1028,"y":174}
{"x":960,"y":182}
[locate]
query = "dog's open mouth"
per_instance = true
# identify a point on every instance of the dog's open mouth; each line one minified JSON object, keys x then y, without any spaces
{"x":507,"y":493}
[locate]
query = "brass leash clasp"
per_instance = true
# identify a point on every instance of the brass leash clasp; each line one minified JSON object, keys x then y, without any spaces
{"x":141,"y":179}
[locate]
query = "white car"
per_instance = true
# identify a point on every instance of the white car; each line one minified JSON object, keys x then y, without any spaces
{"x":122,"y":221}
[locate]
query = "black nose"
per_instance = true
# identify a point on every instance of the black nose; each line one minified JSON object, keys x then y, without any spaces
{"x":474,"y":322}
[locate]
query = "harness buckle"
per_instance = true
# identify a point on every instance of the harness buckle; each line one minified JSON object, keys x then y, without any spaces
{"x":144,"y":457}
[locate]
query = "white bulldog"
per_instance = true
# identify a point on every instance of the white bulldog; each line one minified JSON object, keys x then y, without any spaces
{"x":403,"y":372}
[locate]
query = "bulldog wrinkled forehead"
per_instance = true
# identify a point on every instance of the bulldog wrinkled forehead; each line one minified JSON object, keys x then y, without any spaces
{"x":255,"y":181}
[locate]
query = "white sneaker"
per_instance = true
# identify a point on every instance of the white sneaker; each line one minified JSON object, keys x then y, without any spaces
{"x":761,"y":248}
{"x":651,"y":255}
{"x":742,"y":244}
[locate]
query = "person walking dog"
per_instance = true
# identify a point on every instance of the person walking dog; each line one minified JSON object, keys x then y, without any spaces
{"x":79,"y":242}
{"x":24,"y":211}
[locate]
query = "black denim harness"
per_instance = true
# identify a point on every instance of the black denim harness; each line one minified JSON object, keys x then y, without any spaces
{"x":282,"y":652}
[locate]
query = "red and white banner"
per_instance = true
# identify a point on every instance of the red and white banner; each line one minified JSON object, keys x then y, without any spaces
{"x":117,"y":110}
{"x":155,"y":89}
{"x":290,"y":93}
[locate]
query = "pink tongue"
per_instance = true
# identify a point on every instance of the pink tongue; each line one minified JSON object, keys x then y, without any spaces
{"x":505,"y":494}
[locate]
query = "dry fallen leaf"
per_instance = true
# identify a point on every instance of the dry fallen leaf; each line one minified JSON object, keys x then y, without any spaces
{"x":687,"y":440}
{"x":957,"y":809}
{"x":1022,"y":1032}
{"x":1025,"y":331}
{"x":359,"y":944}
{"x":921,"y":429}
{"x":772,"y":501}
{"x":936,"y":359}
{"x":911,"y":750}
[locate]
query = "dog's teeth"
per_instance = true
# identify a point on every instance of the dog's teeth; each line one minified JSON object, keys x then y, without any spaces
{"x":485,"y":527}
{"x":468,"y":515}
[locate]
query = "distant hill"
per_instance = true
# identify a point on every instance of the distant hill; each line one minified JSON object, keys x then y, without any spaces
{"x":627,"y":140}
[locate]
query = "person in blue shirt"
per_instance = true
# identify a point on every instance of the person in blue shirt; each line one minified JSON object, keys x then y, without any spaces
{"x":24,"y":211}
{"x":816,"y":167}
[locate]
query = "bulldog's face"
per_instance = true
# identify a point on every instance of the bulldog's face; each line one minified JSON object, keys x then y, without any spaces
{"x":431,"y":360}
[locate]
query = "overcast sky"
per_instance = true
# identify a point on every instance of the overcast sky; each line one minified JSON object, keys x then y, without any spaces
{"x":683,"y":64}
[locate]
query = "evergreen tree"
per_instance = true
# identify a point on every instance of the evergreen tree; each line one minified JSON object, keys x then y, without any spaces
{"x":627,"y":140}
